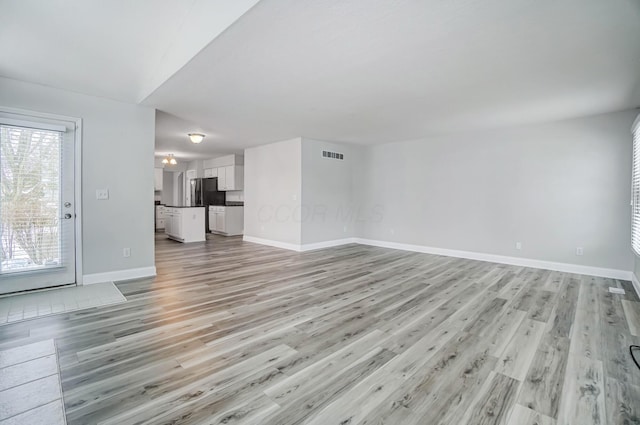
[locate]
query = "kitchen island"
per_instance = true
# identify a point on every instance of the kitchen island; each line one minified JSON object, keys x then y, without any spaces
{"x":185,"y":224}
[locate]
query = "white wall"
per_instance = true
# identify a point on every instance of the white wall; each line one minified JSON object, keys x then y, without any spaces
{"x":329,"y":209}
{"x":115,"y":136}
{"x":167,"y":187}
{"x":553,"y":187}
{"x":196,"y":165}
{"x":273,"y":192}
{"x":223,"y":161}
{"x":178,"y":189}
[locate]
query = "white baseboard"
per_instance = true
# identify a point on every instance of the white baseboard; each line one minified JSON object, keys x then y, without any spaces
{"x":326,"y":244}
{"x":515,"y":261}
{"x":299,"y":247}
{"x":492,"y":258}
{"x":115,"y":276}
{"x":636,"y":283}
{"x":269,"y":242}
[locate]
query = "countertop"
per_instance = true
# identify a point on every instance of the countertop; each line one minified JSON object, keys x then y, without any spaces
{"x":238,"y":204}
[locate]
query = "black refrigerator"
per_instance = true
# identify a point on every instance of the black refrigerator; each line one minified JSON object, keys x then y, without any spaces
{"x":204,"y":192}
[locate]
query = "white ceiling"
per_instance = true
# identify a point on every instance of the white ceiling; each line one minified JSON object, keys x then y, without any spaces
{"x":357,"y":71}
{"x":119,"y":49}
{"x":171,"y":137}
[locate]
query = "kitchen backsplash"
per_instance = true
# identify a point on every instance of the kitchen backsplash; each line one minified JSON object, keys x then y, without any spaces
{"x":235,"y":196}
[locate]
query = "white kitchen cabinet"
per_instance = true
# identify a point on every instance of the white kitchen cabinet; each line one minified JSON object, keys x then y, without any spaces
{"x":189,"y":175}
{"x":230,"y":177}
{"x":227,"y":221}
{"x":220,"y":223}
{"x":210,"y":172}
{"x":160,"y":216}
{"x":158,"y":179}
{"x":222,"y":178}
{"x":171,"y":222}
{"x":185,"y":224}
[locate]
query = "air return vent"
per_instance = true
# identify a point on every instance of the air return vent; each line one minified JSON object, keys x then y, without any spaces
{"x":332,"y":155}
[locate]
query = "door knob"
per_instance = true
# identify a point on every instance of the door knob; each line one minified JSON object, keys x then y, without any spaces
{"x":67,"y":216}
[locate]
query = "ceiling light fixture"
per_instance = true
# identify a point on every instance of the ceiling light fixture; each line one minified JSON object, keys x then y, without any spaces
{"x":196,"y":137}
{"x":169,"y":160}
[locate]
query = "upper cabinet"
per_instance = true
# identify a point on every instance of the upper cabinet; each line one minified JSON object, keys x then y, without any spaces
{"x":228,"y":169}
{"x":158,"y":179}
{"x":230,"y":177}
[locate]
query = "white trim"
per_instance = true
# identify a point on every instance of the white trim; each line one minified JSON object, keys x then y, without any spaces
{"x":515,"y":261}
{"x":326,"y":244}
{"x":636,"y":124}
{"x":492,"y":258}
{"x":269,"y":242}
{"x":119,"y":275}
{"x":78,"y":199}
{"x":298,"y":247}
{"x":33,"y":124}
{"x":635,"y":283}
{"x":77,"y":122}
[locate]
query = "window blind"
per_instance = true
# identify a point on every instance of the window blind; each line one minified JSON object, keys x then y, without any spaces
{"x":635,"y":190}
{"x":30,"y":161}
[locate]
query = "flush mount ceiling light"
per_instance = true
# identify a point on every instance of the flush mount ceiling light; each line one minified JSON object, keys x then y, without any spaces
{"x":169,"y":159}
{"x":196,"y":137}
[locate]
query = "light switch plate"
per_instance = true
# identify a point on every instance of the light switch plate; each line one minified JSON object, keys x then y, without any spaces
{"x":102,"y":194}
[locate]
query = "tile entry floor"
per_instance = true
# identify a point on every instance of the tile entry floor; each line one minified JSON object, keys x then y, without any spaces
{"x":30,"y":391}
{"x":63,"y":300}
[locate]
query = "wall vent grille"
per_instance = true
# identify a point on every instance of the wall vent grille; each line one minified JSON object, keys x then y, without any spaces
{"x":332,"y":155}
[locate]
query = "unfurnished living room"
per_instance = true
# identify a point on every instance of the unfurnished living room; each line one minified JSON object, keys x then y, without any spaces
{"x":320,"y":212}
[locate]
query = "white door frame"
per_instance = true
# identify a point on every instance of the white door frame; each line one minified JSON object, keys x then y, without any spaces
{"x":77,"y":173}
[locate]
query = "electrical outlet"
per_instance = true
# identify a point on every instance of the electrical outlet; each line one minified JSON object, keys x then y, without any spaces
{"x":345,"y":229}
{"x":579,"y":251}
{"x":102,"y":194}
{"x":393,"y":232}
{"x":126,"y":252}
{"x":518,"y":245}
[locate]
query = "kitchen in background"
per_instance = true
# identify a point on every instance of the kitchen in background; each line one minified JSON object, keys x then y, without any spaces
{"x":200,"y":196}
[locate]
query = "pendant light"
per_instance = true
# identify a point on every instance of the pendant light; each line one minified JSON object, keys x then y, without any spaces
{"x":169,"y":160}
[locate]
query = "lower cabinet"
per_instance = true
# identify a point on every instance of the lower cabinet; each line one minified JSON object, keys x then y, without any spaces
{"x":227,"y":221}
{"x":160,"y":217}
{"x":185,"y":224}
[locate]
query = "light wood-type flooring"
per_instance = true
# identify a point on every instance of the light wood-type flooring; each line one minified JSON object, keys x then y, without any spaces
{"x":231,"y":332}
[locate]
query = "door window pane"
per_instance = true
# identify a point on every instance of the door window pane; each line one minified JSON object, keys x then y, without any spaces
{"x":29,"y":198}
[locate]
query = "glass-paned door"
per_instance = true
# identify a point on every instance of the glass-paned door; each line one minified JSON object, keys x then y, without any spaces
{"x":37,"y":205}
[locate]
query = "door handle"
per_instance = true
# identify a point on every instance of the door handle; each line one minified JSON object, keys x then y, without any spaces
{"x":67,"y":216}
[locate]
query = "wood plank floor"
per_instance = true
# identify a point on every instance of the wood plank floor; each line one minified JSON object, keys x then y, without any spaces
{"x":236,"y":333}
